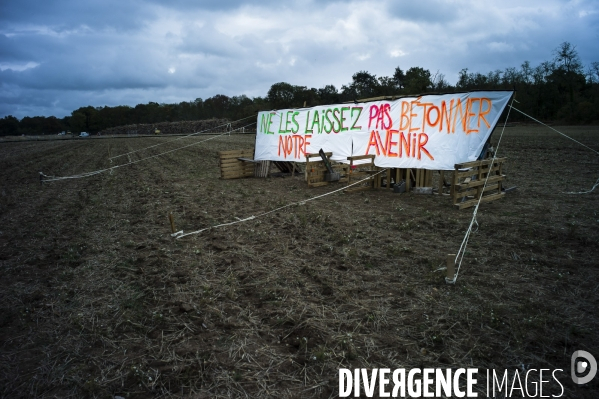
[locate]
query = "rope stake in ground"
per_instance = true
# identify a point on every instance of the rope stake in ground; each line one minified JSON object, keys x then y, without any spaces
{"x":569,"y":138}
{"x":462,"y":250}
{"x":46,"y":178}
{"x":180,"y":234}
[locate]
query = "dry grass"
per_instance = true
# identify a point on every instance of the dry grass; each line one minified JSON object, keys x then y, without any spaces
{"x":97,"y":300}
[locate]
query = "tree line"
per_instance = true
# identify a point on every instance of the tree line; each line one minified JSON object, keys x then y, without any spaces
{"x":561,"y":89}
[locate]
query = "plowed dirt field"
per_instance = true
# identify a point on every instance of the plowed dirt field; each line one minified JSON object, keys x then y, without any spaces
{"x":98,"y":300}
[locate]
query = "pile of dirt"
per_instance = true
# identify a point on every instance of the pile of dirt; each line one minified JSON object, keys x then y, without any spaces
{"x":185,"y":127}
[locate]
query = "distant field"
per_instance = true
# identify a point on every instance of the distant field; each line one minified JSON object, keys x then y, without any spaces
{"x":97,"y":300}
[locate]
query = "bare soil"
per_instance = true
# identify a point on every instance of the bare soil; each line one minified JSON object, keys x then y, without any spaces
{"x":98,"y":300}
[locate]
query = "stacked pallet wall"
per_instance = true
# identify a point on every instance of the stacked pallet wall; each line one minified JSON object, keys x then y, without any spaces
{"x":231,"y":167}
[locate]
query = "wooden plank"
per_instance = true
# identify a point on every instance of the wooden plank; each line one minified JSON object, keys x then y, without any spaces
{"x":318,"y":168}
{"x":229,"y":152}
{"x":262,"y":169}
{"x":237,"y":167}
{"x":473,"y":202}
{"x":235,"y":159}
{"x":470,"y":164}
{"x":474,"y":191}
{"x":454,"y":182}
{"x":476,"y":183}
{"x":238,"y":164}
{"x":227,"y":164}
{"x":314,"y":155}
{"x":231,"y":159}
{"x":479,"y":187}
{"x":231,"y":162}
{"x":232,"y":153}
{"x":236,"y":172}
{"x":474,"y":171}
{"x":360,"y":157}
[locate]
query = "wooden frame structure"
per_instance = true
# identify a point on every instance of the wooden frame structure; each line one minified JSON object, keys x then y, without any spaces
{"x":361,"y":171}
{"x":414,"y":178}
{"x":469,"y":179}
{"x":315,"y":170}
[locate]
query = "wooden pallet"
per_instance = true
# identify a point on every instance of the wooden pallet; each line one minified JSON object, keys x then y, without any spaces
{"x":414,"y":178}
{"x":316,"y":169}
{"x":357,"y":172}
{"x":232,"y":167}
{"x":469,"y":179}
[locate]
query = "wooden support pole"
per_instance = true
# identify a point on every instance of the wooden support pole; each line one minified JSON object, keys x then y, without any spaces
{"x":450,"y":278}
{"x":454,"y":182}
{"x":170,"y":217}
{"x":479,"y":189}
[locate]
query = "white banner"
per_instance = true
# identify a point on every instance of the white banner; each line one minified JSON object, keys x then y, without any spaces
{"x":428,"y":132}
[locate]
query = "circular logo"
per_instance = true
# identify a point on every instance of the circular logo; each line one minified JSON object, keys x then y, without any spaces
{"x":579,"y":366}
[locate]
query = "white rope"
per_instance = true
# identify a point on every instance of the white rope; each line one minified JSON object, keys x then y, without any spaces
{"x":569,"y":138}
{"x":228,"y":125}
{"x":557,"y":131}
{"x":274,"y":210}
{"x":462,"y":250}
{"x":88,"y":174}
{"x":584,"y":192}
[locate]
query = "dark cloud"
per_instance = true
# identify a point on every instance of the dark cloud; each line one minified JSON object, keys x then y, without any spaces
{"x":11,"y":51}
{"x":432,"y":11}
{"x":65,"y":15}
{"x":58,"y":56}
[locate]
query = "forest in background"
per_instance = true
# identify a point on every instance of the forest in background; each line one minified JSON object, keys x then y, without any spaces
{"x":561,"y":90}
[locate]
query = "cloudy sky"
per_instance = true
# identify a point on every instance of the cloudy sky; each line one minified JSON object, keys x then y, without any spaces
{"x":56,"y":56}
